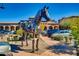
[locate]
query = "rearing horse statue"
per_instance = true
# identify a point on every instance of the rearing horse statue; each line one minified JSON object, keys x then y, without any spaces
{"x":32,"y":26}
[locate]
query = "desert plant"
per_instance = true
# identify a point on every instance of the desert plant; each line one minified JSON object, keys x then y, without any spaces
{"x":58,"y":37}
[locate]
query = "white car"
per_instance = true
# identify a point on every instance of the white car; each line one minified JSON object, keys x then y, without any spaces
{"x":64,"y":33}
{"x":44,"y":32}
{"x":5,"y":49}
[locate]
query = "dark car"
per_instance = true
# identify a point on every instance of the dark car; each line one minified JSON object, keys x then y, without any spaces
{"x":51,"y":31}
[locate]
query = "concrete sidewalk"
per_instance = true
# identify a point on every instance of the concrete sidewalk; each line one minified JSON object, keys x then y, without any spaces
{"x":48,"y":40}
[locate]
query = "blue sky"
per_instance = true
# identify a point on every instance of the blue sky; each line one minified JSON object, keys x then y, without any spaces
{"x":14,"y":12}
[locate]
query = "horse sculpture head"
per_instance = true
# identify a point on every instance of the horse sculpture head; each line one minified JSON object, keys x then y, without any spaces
{"x":35,"y":22}
{"x":43,"y":13}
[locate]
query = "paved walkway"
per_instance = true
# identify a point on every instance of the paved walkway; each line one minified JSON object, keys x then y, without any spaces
{"x":43,"y":51}
{"x":49,"y":41}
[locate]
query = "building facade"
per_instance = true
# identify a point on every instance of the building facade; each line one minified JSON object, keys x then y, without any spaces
{"x":50,"y":24}
{"x":10,"y":26}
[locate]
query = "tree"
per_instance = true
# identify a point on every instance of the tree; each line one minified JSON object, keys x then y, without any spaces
{"x":66,"y":25}
{"x":74,"y":26}
{"x":20,"y":32}
{"x":75,"y":33}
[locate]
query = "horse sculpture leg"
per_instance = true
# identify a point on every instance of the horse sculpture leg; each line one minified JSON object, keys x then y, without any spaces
{"x":33,"y":49}
{"x":26,"y":42}
{"x":33,"y":43}
{"x":26,"y":39}
{"x":21,"y":41}
{"x":37,"y":41}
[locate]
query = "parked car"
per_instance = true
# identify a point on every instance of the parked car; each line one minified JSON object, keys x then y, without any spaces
{"x":51,"y":31}
{"x":64,"y":33}
{"x":5,"y":49}
{"x":6,"y":32}
{"x":44,"y":32}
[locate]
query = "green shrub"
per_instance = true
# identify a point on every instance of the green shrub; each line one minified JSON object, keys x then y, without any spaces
{"x":58,"y":37}
{"x":20,"y":32}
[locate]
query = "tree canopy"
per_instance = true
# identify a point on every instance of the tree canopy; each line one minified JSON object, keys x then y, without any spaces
{"x":19,"y":31}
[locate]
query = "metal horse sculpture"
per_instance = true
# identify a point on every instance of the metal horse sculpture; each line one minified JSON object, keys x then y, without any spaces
{"x":34,"y":25}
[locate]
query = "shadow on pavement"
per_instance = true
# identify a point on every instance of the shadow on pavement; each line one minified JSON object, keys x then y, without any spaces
{"x":15,"y":48}
{"x":2,"y":55}
{"x":65,"y":49}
